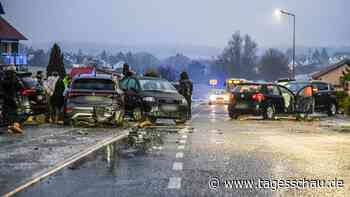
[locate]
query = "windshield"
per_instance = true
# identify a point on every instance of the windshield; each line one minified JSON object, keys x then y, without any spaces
{"x":156,"y":85}
{"x":94,"y":84}
{"x":247,"y":88}
{"x":28,"y":82}
{"x":218,"y":91}
{"x":295,"y":87}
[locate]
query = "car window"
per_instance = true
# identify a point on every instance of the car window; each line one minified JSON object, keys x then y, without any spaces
{"x":322,"y":86}
{"x":94,"y":84}
{"x":29,"y":82}
{"x":156,"y":85}
{"x":296,"y":86}
{"x":273,"y":90}
{"x":247,"y":88}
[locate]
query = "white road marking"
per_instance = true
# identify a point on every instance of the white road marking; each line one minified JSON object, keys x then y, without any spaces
{"x":179,"y":155}
{"x":182,"y":141}
{"x":174,"y":183}
{"x":178,"y":166}
{"x":181,"y":147}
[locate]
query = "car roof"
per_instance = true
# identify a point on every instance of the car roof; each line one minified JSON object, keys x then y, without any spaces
{"x":256,"y":83}
{"x":147,"y":78}
{"x":93,"y":76}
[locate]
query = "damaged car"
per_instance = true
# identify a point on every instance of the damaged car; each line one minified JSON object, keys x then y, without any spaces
{"x":269,"y":100}
{"x":153,"y":98}
{"x":93,"y":99}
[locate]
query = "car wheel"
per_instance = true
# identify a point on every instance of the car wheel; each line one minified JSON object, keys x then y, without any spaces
{"x":233,"y":116}
{"x":332,"y":109}
{"x":67,"y":122}
{"x":137,"y":114}
{"x":152,"y":119}
{"x":269,"y":112}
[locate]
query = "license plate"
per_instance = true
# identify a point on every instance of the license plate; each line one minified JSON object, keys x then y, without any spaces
{"x":241,"y":106}
{"x":169,"y":107}
{"x":40,"y":97}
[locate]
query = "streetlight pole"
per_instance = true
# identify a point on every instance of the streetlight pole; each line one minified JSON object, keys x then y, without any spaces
{"x":293,"y":15}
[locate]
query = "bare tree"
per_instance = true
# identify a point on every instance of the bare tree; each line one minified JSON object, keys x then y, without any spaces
{"x":273,"y":65}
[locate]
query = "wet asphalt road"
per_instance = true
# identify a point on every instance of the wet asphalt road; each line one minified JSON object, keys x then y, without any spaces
{"x":180,"y":162}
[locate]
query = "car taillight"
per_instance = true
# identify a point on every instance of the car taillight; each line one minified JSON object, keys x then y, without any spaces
{"x":67,"y":110}
{"x":258,"y":97}
{"x":27,"y":92}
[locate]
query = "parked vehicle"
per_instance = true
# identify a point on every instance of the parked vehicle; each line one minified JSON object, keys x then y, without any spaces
{"x":153,"y":98}
{"x":284,"y":81}
{"x":324,"y":96}
{"x":93,"y":99}
{"x":218,"y":96}
{"x":32,"y":95}
{"x":268,"y":99}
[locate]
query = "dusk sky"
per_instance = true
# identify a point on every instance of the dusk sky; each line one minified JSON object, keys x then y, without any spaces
{"x":180,"y":22}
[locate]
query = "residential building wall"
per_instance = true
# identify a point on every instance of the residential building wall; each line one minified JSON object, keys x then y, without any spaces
{"x":333,"y":77}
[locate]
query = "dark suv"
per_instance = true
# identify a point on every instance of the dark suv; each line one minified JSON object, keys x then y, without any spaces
{"x":268,"y":99}
{"x":323,"y":93}
{"x":93,"y":99}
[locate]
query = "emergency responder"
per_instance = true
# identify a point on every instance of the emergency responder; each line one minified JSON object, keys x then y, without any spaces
{"x":185,"y":89}
{"x":12,"y":87}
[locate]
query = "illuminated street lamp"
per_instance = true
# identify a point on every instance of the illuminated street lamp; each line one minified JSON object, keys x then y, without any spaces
{"x":278,"y":13}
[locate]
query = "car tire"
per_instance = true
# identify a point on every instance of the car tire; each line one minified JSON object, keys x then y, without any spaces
{"x":233,"y":116}
{"x":332,"y":109}
{"x":269,"y":113}
{"x":67,"y":122}
{"x":152,"y":119}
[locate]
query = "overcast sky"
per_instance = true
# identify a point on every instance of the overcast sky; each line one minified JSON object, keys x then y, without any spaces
{"x":180,"y":22}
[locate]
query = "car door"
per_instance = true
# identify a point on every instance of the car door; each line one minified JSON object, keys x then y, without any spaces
{"x":277,"y":98}
{"x":321,"y":95}
{"x":304,"y":100}
{"x":288,"y":99}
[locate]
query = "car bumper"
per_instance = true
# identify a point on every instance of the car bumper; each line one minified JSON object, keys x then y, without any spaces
{"x":168,"y":112}
{"x":254,"y":109}
{"x":88,"y":114}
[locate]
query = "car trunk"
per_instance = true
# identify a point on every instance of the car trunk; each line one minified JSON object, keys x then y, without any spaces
{"x":90,"y":98}
{"x":246,"y":95}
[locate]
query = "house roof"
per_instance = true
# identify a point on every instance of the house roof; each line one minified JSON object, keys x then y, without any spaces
{"x":7,"y":31}
{"x":1,"y":9}
{"x":331,"y":68}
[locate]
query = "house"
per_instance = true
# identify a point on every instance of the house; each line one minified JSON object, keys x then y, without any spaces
{"x":9,"y":43}
{"x":333,"y":73}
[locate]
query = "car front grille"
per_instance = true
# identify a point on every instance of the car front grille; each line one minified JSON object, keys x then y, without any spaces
{"x":168,"y":101}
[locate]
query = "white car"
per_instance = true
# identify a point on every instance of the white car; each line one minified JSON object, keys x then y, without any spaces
{"x":218,"y":96}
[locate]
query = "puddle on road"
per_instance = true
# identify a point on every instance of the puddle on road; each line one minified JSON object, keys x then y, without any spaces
{"x":109,"y":161}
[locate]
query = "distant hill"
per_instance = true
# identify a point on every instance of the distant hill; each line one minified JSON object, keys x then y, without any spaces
{"x":160,"y":51}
